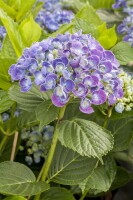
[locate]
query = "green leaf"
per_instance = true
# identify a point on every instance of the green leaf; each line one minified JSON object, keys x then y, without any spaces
{"x":5,"y":82}
{"x":7,"y":50}
{"x":101,"y":178}
{"x":58,"y":193}
{"x":37,"y":8}
{"x":69,"y":168}
{"x":30,"y":31}
{"x":13,"y":32}
{"x":107,"y":37}
{"x":27,"y":101}
{"x":85,"y":137}
{"x":122,"y":131}
{"x":10,"y":11}
{"x":122,"y":178}
{"x":25,"y":7}
{"x":5,"y":101}
{"x":26,"y":119}
{"x":123,"y":52}
{"x":101,"y":3}
{"x":88,"y":14}
{"x":46,"y":112}
{"x":19,"y":182}
{"x":5,"y":63}
{"x":15,"y":198}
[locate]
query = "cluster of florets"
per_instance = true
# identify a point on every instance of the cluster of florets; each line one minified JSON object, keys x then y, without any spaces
{"x":2,"y":35}
{"x":126,"y":27}
{"x":71,"y":66}
{"x":125,"y":103}
{"x":120,"y":4}
{"x":36,"y":143}
{"x":53,"y":15}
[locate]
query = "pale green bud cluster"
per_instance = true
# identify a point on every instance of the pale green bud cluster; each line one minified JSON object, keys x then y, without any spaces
{"x":126,"y":102}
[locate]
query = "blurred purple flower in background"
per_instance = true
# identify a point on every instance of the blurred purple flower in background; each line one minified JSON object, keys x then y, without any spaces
{"x":2,"y":35}
{"x":53,"y":15}
{"x":71,"y":66}
{"x":126,"y":27}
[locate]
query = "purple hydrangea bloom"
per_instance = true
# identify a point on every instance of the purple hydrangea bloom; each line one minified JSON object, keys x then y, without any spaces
{"x":126,"y":27}
{"x":2,"y":35}
{"x":70,"y":70}
{"x":119,"y":4}
{"x":53,"y":15}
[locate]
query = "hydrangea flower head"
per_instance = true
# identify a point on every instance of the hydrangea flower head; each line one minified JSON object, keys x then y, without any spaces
{"x":126,"y":102}
{"x":119,"y":4}
{"x":53,"y":15}
{"x":126,"y":27}
{"x":2,"y":35}
{"x":71,"y":66}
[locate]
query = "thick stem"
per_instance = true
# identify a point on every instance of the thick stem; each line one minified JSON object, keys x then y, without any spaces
{"x":44,"y":172}
{"x":84,"y":195}
{"x":105,"y":122}
{"x":3,"y":144}
{"x":14,"y":146}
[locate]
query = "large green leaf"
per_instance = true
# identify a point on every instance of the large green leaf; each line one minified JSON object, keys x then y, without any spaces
{"x":122,"y":178}
{"x":10,"y":11}
{"x":30,"y":100}
{"x":5,"y":101}
{"x":14,"y":198}
{"x":85,"y":137}
{"x":58,"y":193}
{"x":69,"y":168}
{"x":123,"y":52}
{"x":26,"y":119}
{"x":30,"y":31}
{"x":101,"y":3}
{"x":13,"y":32}
{"x":17,"y":179}
{"x":88,"y":14}
{"x":46,"y":112}
{"x":5,"y":63}
{"x":101,"y":178}
{"x":122,"y":131}
{"x":7,"y":50}
{"x":24,"y":8}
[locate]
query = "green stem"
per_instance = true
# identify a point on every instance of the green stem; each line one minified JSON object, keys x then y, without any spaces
{"x":105,"y":122}
{"x":47,"y":164}
{"x":84,"y":195}
{"x":3,"y":144}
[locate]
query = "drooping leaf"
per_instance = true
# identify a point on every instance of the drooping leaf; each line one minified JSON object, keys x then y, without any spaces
{"x":30,"y":100}
{"x":58,"y":193}
{"x":123,"y":52}
{"x":19,"y":182}
{"x":122,"y":131}
{"x":101,"y":178}
{"x":46,"y":112}
{"x":85,"y":137}
{"x":26,"y":119}
{"x":69,"y":168}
